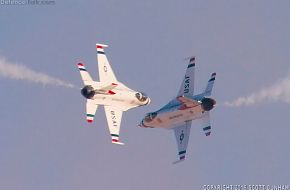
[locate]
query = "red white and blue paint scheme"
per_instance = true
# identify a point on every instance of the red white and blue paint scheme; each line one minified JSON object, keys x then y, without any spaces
{"x":179,"y":112}
{"x":109,"y":92}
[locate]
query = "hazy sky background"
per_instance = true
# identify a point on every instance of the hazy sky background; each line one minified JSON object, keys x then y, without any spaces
{"x":45,"y":142}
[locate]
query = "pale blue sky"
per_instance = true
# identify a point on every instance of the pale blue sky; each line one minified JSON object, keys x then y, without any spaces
{"x":45,"y":142}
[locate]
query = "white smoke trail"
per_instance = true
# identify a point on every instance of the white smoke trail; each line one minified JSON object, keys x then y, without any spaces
{"x":21,"y":72}
{"x":277,"y":92}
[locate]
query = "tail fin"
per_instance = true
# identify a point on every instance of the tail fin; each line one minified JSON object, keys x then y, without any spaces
{"x":86,"y":77}
{"x":208,"y":89}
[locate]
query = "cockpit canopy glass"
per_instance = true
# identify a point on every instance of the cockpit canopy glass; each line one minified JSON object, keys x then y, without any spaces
{"x":150,"y":116}
{"x":141,"y":96}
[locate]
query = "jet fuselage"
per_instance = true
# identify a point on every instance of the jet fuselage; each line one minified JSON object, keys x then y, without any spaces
{"x":119,"y":97}
{"x":175,"y":113}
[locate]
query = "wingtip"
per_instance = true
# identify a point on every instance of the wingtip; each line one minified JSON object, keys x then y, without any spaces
{"x":207,"y":134}
{"x":89,"y":121}
{"x":191,"y":59}
{"x":111,"y":92}
{"x":178,"y":161}
{"x":118,"y":143}
{"x":101,"y":45}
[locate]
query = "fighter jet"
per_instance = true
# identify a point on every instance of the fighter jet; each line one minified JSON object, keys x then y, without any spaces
{"x":109,"y":92}
{"x":179,"y":112}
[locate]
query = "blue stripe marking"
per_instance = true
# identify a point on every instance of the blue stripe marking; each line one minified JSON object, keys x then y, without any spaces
{"x":81,"y":69}
{"x":182,"y":152}
{"x":191,"y":65}
{"x":100,"y":52}
{"x":207,"y":134}
{"x":212,"y":79}
{"x":207,"y":128}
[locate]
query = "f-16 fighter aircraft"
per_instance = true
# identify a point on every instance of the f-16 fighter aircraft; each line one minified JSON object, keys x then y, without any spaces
{"x":109,"y":92}
{"x":179,"y":112}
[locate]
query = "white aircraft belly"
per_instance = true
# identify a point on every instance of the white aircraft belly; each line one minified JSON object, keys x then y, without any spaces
{"x":175,"y":118}
{"x":118,"y":100}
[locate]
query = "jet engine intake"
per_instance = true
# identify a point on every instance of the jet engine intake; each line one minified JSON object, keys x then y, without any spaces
{"x":207,"y":104}
{"x":88,"y":92}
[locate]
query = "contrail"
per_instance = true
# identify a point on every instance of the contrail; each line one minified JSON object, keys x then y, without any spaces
{"x":21,"y":72}
{"x":277,"y":92}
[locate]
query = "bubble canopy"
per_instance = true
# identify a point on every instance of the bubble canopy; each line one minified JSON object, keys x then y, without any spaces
{"x":141,"y":96}
{"x":150,"y":116}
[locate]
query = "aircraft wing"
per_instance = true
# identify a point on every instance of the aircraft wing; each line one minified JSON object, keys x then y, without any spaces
{"x":91,"y":109}
{"x":182,"y":136}
{"x":105,"y":71}
{"x":187,"y":85}
{"x":206,"y":123}
{"x":114,"y":117}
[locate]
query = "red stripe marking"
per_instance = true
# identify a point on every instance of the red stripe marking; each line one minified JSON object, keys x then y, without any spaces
{"x":114,"y":84}
{"x":89,"y":120}
{"x":98,"y":46}
{"x":111,"y":92}
{"x":80,"y":64}
{"x":115,"y":140}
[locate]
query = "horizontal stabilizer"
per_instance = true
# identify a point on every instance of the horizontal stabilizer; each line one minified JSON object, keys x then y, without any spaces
{"x":91,"y":109}
{"x":208,"y":89}
{"x":206,"y":124}
{"x":86,"y":77}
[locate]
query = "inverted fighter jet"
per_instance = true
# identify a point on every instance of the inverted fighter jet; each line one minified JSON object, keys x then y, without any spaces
{"x":179,"y":112}
{"x":109,"y":92}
